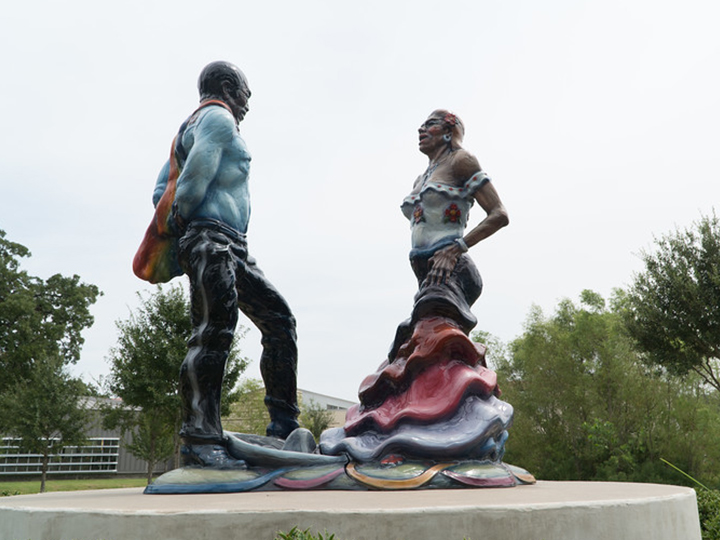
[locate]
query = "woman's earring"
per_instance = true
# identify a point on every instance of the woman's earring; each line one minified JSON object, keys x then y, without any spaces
{"x":447,"y":138}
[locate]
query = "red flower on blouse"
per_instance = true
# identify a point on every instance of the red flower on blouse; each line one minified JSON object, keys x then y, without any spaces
{"x":418,"y":214}
{"x":452,"y":214}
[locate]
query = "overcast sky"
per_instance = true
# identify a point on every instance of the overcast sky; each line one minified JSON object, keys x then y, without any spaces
{"x":598,"y":122}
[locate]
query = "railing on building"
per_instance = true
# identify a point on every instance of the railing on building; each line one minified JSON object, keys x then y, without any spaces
{"x":98,"y":455}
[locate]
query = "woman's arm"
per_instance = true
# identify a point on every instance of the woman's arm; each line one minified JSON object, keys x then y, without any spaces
{"x":444,"y":260}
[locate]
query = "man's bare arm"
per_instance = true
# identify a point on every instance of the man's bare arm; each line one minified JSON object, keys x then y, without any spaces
{"x":212,"y":136}
{"x":161,"y":183}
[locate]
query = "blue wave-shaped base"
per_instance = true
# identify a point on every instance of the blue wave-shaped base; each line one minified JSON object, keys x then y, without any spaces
{"x":478,"y":430}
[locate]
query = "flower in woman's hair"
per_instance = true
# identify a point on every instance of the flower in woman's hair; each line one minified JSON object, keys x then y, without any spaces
{"x":450,"y":119}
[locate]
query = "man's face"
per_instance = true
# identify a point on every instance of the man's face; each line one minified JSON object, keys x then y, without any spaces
{"x":431,"y":134}
{"x":238,"y":99}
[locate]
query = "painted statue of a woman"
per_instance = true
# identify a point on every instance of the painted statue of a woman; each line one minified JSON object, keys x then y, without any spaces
{"x":438,"y":209}
{"x":430,"y":415}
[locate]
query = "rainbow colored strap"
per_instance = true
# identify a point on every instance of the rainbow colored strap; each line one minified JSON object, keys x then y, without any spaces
{"x":156,"y":259}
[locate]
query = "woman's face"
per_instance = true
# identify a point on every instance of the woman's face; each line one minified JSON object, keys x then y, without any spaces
{"x":431,"y":133}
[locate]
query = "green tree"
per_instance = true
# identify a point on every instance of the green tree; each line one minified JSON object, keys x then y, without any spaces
{"x":41,"y":324}
{"x":39,"y":318}
{"x":45,"y":411}
{"x":249,"y":413}
{"x":674,"y":304}
{"x":152,"y":440}
{"x":587,"y":407}
{"x":315,"y":417}
{"x":145,"y":367}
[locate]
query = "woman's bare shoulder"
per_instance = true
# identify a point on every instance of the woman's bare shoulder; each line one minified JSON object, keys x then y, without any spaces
{"x":464,"y":165}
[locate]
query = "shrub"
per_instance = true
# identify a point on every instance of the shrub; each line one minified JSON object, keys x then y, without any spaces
{"x":296,"y":534}
{"x":709,"y":510}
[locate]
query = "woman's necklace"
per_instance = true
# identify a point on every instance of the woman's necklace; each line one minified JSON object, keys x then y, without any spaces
{"x":428,"y":173}
{"x":431,"y":168}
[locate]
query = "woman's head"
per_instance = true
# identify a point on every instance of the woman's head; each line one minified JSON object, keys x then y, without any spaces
{"x":442,"y":129}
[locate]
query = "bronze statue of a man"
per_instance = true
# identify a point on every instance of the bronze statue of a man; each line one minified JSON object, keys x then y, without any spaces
{"x":210,"y":212}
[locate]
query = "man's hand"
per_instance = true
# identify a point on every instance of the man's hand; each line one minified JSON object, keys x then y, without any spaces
{"x":442,"y":264}
{"x":178,"y":224}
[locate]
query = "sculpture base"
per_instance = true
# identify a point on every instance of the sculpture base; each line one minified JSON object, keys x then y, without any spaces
{"x":341,"y":476}
{"x":557,"y":510}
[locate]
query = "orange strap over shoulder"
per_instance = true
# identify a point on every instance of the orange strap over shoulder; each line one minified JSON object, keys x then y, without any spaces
{"x":156,"y":259}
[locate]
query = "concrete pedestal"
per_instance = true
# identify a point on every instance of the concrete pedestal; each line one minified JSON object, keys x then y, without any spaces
{"x":547,"y":510}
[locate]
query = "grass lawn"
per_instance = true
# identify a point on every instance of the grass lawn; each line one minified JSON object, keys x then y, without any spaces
{"x":27,"y":488}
